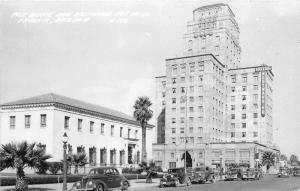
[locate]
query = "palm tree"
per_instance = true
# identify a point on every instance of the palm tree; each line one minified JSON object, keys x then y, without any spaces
{"x":78,"y":160}
{"x":268,"y":159}
{"x":142,"y":113}
{"x":293,"y":159}
{"x":20,"y":156}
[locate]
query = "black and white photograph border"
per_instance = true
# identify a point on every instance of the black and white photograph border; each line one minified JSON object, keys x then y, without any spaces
{"x":153,"y":95}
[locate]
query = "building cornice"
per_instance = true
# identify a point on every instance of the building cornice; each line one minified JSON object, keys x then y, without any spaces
{"x":76,"y":109}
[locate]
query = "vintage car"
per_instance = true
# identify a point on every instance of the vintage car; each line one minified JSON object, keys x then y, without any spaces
{"x":176,"y":177}
{"x":234,"y":174}
{"x":296,"y":171}
{"x":251,"y":174}
{"x":202,"y":175}
{"x":283,"y":172}
{"x":102,"y":179}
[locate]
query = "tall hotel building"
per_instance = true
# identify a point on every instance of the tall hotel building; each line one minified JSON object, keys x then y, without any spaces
{"x":207,"y":104}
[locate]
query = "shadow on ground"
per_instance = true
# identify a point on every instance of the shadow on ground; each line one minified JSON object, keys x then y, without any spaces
{"x":30,"y":189}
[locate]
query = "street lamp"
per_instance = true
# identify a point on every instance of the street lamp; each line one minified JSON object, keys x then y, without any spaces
{"x":65,"y":140}
{"x":221,"y":171}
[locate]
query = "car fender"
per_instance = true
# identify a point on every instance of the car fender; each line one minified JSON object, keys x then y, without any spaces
{"x":97,"y":182}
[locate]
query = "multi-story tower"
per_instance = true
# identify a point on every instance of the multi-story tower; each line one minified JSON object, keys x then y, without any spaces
{"x":250,"y":104}
{"x":160,"y":105}
{"x":214,"y":30}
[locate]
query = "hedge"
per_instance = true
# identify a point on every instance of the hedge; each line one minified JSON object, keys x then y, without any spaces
{"x":48,"y":179}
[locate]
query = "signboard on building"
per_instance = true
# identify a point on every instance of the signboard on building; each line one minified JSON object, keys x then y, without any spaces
{"x":263,"y":68}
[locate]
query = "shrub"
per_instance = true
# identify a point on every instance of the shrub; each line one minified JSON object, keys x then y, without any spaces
{"x":54,"y":167}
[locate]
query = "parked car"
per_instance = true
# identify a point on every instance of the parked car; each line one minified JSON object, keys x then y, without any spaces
{"x":176,"y":177}
{"x":202,"y":175}
{"x":296,"y":171}
{"x":251,"y":174}
{"x":283,"y":172}
{"x":234,"y":174}
{"x":102,"y":179}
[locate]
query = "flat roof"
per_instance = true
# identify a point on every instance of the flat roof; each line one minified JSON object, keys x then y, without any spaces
{"x":251,"y":67}
{"x":214,"y":5}
{"x":198,"y":55}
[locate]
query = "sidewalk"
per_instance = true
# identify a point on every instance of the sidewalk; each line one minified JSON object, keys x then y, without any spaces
{"x":47,"y":187}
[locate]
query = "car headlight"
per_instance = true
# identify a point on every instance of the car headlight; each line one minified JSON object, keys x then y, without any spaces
{"x":78,"y":183}
{"x":89,"y":183}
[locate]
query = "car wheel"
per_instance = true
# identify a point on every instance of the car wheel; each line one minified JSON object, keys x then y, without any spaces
{"x":177,"y":183}
{"x":99,"y":188}
{"x":125,"y":186}
{"x":188,"y":182}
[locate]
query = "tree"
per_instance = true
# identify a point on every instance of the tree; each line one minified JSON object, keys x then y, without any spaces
{"x":283,"y":157}
{"x":293,"y":159}
{"x":268,"y":159}
{"x":142,"y":113}
{"x":20,"y":156}
{"x":78,"y":160}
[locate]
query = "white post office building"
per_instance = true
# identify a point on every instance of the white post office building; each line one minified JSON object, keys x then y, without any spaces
{"x":107,"y":137}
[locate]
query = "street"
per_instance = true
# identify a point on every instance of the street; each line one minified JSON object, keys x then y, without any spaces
{"x":268,"y":183}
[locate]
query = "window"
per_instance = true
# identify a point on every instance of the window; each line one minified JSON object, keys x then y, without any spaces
{"x":200,"y":129}
{"x":182,"y":79}
{"x":200,"y":119}
{"x":244,"y":116}
{"x":244,"y":88}
{"x":191,"y":78}
{"x":27,"y":121}
{"x":255,"y":123}
{"x":79,"y":125}
{"x":163,"y":103}
{"x":174,"y":70}
{"x":136,"y":134}
{"x":244,"y":106}
{"x":173,"y":130}
{"x":191,"y":99}
{"x":200,"y":154}
{"x":217,"y":48}
{"x":232,"y":134}
{"x":173,"y":110}
{"x":102,"y":129}
{"x":121,"y":131}
{"x":244,"y":78}
{"x":174,"y":90}
{"x":233,"y":79}
{"x":191,"y":129}
{"x":255,"y":78}
{"x":43,"y":120}
{"x":192,"y":68}
{"x":182,"y":109}
{"x":200,"y":78}
{"x":255,"y":87}
{"x":201,"y":98}
{"x":201,"y":67}
{"x":164,"y":84}
{"x":112,"y":129}
{"x":183,"y":68}
{"x":174,"y":80}
{"x":243,"y":134}
{"x":244,"y":97}
{"x":191,"y":89}
{"x":173,"y":140}
{"x":255,"y":134}
{"x":255,"y":97}
{"x":91,"y":126}
{"x":233,"y":125}
{"x":172,"y":155}
{"x":128,"y":133}
{"x":255,"y":115}
{"x":181,"y":130}
{"x":200,"y":108}
{"x":200,"y":88}
{"x":191,"y":109}
{"x":182,"y":89}
{"x":232,"y":107}
{"x":173,"y":120}
{"x":232,"y":89}
{"x":232,"y":98}
{"x":255,"y":106}
{"x":12,"y":122}
{"x":243,"y":125}
{"x":191,"y":119}
{"x":173,"y":100}
{"x":163,"y":94}
{"x":232,"y":116}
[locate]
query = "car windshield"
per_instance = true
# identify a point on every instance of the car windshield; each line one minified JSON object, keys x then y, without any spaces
{"x":174,"y":170}
{"x":96,"y":171}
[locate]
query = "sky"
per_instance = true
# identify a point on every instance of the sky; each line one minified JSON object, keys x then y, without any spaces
{"x":109,"y":52}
